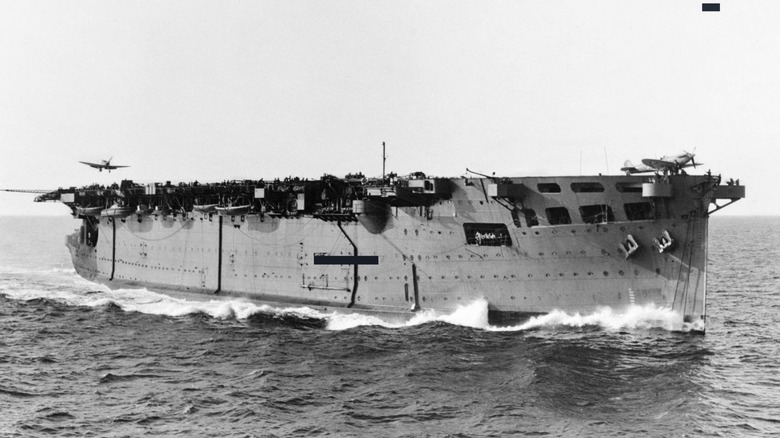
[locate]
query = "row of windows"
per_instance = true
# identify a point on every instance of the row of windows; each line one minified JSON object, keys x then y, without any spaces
{"x":590,"y":214}
{"x":590,"y":187}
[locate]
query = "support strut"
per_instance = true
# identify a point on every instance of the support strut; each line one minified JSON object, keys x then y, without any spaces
{"x":219,"y":259}
{"x":355,"y":266}
{"x":113,"y":250}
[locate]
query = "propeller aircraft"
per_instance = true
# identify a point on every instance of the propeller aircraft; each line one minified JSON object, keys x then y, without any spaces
{"x":106,"y":164}
{"x":668,"y":164}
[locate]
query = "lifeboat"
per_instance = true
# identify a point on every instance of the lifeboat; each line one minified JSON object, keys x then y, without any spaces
{"x":88,"y":211}
{"x":205,"y":208}
{"x":117,"y":211}
{"x":233,"y":210}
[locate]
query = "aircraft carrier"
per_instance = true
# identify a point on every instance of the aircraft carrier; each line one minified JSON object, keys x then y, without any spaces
{"x":397,"y":245}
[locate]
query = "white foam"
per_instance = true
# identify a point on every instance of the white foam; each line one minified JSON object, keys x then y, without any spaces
{"x":473,"y":315}
{"x":634,"y":317}
{"x":338,"y":321}
{"x":145,"y":301}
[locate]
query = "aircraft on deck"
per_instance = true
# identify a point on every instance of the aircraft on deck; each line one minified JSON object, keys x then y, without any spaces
{"x":669,"y":164}
{"x":106,"y":164}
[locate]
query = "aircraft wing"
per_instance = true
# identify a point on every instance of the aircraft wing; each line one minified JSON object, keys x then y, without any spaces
{"x":95,"y":165}
{"x":659,"y":164}
{"x":633,"y":169}
{"x":111,"y":166}
{"x":629,"y":168}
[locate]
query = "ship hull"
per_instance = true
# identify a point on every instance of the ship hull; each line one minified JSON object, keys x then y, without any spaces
{"x":424,"y":260}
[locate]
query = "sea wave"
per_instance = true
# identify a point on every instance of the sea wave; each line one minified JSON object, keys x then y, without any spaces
{"x":634,"y":317}
{"x":475,"y":315}
{"x":61,"y":269}
{"x":472,"y":315}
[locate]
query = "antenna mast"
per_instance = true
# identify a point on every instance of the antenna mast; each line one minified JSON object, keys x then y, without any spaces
{"x":384,"y":158}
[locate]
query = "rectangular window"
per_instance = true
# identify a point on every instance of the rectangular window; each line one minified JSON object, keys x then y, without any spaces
{"x":639,"y":211}
{"x":548,"y":188}
{"x":629,"y":187}
{"x":596,"y":214}
{"x":587,"y":187}
{"x":558,"y":216}
{"x":487,"y":234}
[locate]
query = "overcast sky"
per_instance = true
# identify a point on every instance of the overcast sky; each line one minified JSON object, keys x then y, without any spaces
{"x":215,"y":90}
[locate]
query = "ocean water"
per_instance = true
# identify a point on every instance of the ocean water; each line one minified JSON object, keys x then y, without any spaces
{"x":77,"y":359}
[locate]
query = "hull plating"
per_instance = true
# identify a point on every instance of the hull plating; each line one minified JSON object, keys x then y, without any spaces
{"x":424,"y":263}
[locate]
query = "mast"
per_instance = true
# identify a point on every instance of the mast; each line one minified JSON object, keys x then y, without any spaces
{"x":384,"y":158}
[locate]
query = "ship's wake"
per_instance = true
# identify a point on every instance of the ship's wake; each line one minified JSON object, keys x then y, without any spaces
{"x":634,"y":317}
{"x":473,"y":315}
